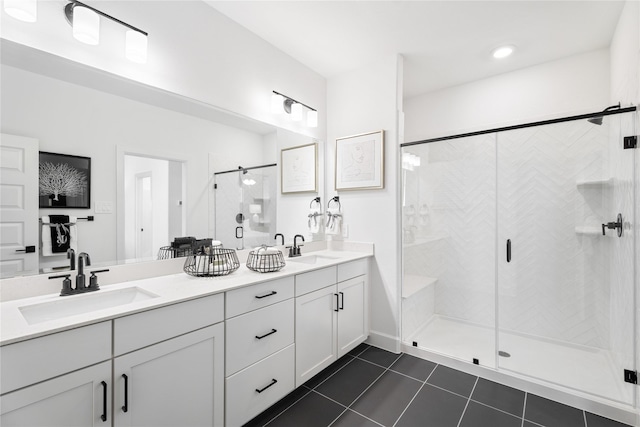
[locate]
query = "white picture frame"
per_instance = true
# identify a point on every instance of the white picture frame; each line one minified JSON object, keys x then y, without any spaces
{"x":360,"y":162}
{"x":299,"y":169}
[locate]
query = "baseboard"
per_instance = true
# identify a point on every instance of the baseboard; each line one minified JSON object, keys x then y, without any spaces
{"x":384,"y":341}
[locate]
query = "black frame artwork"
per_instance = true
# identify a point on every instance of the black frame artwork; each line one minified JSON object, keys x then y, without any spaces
{"x":64,"y":181}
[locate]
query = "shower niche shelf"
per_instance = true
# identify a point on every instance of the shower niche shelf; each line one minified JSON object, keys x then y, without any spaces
{"x":413,"y":284}
{"x":594,"y":183}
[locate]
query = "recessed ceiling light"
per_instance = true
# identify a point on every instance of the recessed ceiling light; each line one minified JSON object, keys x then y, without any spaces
{"x":503,"y":52}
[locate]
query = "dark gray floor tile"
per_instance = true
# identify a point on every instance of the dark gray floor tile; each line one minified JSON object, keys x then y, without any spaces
{"x":478,"y":415}
{"x":312,"y":410}
{"x":452,"y":380}
{"x":530,"y":424}
{"x":552,"y":414}
{"x":359,"y":349}
{"x":351,"y":419}
{"x":277,"y":408}
{"x":433,"y":407}
{"x":414,"y":367}
{"x":350,"y":382}
{"x":499,"y":396}
{"x":385,"y":400}
{"x":328,"y":371}
{"x":379,"y":356}
{"x":594,"y":420}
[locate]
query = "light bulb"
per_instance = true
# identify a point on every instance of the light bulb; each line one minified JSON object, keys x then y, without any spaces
{"x":312,"y":119}
{"x":296,"y":112}
{"x":86,"y":25}
{"x":136,"y":47}
{"x":276,"y":103}
{"x":23,"y":10}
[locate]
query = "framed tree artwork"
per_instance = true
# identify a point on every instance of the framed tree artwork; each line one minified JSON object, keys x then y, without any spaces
{"x":64,"y":181}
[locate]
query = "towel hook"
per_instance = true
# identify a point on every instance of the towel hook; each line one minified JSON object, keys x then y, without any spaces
{"x":316,"y":200}
{"x":337,"y":200}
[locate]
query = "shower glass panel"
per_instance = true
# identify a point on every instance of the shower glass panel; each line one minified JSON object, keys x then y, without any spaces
{"x":245,"y":207}
{"x":449,"y":219}
{"x":565,"y":290}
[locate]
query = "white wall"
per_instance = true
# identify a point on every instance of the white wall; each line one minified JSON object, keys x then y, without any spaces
{"x":366,"y":100}
{"x":567,"y":86}
{"x":71,"y":119}
{"x":194,"y":51}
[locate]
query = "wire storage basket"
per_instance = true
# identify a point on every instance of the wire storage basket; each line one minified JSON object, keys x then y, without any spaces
{"x":265,"y":260}
{"x":184,"y":246}
{"x":212,"y":261}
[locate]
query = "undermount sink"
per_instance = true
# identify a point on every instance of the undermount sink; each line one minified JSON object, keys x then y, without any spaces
{"x":81,"y":304}
{"x":312,"y":259}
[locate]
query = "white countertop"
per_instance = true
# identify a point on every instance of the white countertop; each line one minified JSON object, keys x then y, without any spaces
{"x":170,"y":289}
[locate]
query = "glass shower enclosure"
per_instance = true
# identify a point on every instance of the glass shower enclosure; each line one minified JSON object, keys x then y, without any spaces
{"x":519,"y":251}
{"x":245,"y":206}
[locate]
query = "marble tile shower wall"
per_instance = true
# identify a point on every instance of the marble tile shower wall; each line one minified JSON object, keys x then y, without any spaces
{"x":557,"y":285}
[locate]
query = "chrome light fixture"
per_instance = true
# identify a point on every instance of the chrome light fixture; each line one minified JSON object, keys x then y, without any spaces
{"x":23,"y":10}
{"x":85,"y":21}
{"x":281,"y":103}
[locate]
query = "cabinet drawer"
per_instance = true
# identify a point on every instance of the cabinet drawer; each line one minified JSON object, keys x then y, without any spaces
{"x":243,"y":401}
{"x":251,"y":298}
{"x":243,"y":345}
{"x":143,"y":329}
{"x":39,"y":359}
{"x":352,"y":269}
{"x":314,"y":280}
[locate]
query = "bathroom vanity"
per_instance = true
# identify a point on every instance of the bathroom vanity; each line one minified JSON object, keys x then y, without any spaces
{"x":180,"y":350}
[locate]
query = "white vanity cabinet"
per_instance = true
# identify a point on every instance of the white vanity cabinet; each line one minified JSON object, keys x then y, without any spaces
{"x":331,"y":315}
{"x":62,"y":379}
{"x":169,"y":365}
{"x":260,"y":350}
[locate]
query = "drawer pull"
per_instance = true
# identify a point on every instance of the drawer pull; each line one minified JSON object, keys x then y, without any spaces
{"x":267,"y":295}
{"x":337,"y":302}
{"x":273,"y":381}
{"x":125,"y":407}
{"x":342,"y":300}
{"x":103,"y":417}
{"x":273,"y":331}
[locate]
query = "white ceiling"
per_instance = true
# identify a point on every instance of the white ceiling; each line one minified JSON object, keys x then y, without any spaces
{"x":444,"y":43}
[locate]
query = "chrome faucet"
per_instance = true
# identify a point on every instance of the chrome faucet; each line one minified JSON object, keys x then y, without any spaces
{"x":83,"y":261}
{"x":80,"y":278}
{"x":281,"y":235}
{"x":295,"y":249}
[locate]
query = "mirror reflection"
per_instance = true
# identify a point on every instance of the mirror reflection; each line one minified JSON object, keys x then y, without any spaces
{"x":153,"y":169}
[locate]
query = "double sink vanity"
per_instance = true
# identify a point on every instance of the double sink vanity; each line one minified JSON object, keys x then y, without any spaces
{"x":181,"y":350}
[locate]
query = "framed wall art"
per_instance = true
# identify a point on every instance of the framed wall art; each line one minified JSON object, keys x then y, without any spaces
{"x":360,"y":162}
{"x":64,"y":181}
{"x":299,"y":167}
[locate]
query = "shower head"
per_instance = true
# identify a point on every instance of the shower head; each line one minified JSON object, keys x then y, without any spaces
{"x":597,"y":120}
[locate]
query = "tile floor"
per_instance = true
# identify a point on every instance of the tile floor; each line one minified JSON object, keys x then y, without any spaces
{"x":371,"y":387}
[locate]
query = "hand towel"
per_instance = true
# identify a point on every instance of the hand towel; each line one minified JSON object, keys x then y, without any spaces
{"x":56,"y":239}
{"x":334,"y":222}
{"x":315,"y":220}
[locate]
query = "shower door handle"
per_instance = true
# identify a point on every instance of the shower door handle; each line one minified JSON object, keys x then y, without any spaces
{"x":508,"y":250}
{"x":613,"y":226}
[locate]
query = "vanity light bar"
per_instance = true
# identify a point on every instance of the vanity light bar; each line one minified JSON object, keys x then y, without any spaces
{"x":281,"y":102}
{"x":87,"y":31}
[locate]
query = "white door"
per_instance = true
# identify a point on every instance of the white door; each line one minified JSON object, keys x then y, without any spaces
{"x":144,"y":216}
{"x":18,"y":205}
{"x":352,"y":329}
{"x":316,"y":328}
{"x":81,"y":398}
{"x":179,"y":382}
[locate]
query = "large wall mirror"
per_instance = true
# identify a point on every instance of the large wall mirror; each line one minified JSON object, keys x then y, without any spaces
{"x":162,"y":166}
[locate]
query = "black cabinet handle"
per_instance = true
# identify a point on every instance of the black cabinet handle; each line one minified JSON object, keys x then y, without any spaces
{"x":103,"y":417}
{"x":267,"y":295}
{"x":273,"y":331}
{"x":342,"y":299}
{"x":273,"y":381}
{"x":508,"y":250}
{"x":125,"y":407}
{"x":337,"y":302}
